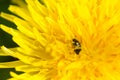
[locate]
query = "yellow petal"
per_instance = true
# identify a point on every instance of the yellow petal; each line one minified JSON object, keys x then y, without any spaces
{"x":11,"y":64}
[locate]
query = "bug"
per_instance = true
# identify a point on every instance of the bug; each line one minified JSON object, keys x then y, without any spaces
{"x":77,"y":46}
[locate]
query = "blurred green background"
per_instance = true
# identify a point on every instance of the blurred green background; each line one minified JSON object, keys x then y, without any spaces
{"x":5,"y":39}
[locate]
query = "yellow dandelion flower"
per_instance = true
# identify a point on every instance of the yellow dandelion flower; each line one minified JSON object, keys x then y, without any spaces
{"x":65,"y":40}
